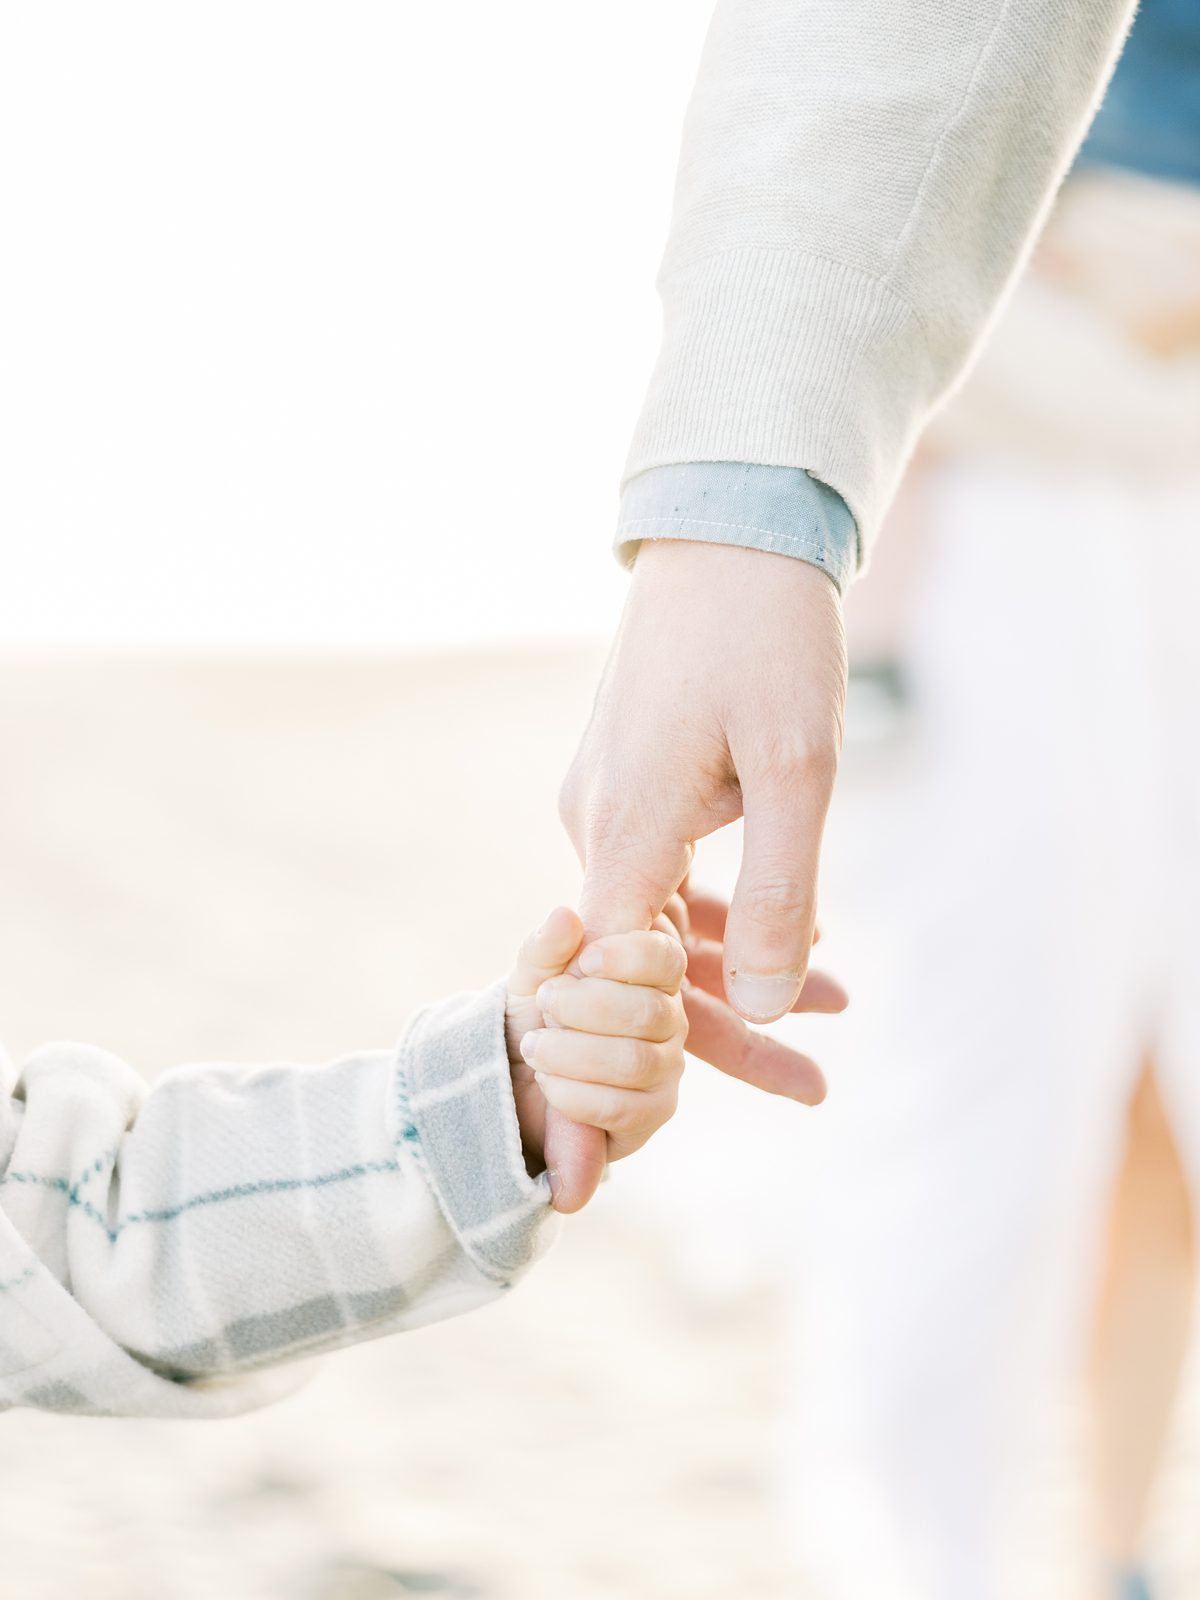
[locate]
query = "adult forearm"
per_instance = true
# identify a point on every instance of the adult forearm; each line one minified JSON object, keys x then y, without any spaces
{"x":859,"y":182}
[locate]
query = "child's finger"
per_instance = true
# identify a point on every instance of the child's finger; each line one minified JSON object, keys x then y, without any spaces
{"x":597,"y":1005}
{"x":653,"y":959}
{"x":623,"y":1063}
{"x":630,"y":1114}
{"x":546,"y":952}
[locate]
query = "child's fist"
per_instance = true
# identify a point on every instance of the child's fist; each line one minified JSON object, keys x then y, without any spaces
{"x":606,"y":1047}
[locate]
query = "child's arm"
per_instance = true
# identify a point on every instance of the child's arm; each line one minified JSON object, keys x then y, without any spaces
{"x":156,"y":1244}
{"x":160,"y":1249}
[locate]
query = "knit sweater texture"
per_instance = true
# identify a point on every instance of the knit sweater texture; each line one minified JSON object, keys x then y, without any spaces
{"x":859,"y":183}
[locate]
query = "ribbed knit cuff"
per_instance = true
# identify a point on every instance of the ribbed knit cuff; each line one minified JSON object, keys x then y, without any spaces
{"x":786,"y":360}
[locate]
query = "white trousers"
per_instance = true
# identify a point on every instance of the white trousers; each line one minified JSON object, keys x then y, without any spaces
{"x":1028,"y":910}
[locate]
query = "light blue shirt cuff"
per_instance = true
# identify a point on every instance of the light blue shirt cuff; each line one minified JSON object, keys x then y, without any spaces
{"x":780,"y":509}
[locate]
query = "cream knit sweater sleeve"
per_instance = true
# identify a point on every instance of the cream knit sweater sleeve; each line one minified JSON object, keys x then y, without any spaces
{"x":859,"y":182}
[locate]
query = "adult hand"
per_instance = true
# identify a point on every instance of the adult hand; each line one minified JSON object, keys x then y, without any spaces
{"x":716,"y":1034}
{"x":722,"y":698}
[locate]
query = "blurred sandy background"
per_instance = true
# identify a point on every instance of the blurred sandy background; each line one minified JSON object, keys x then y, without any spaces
{"x":243,"y":414}
{"x":261,"y":860}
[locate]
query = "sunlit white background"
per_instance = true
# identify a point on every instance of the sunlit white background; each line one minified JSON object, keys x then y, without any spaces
{"x":326,"y":325}
{"x":323,"y":329}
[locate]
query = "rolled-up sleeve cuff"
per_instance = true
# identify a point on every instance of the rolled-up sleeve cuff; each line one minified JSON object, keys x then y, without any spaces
{"x":457,"y":1114}
{"x":779,"y":509}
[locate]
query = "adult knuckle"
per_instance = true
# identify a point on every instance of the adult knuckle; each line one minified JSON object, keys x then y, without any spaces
{"x":820,"y":753}
{"x":777,"y":897}
{"x":801,"y":755}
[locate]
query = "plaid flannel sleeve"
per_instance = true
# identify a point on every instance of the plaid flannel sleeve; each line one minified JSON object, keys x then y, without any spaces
{"x":162,"y":1252}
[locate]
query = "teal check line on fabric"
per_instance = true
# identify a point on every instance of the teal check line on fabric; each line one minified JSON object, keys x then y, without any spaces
{"x":71,"y":1190}
{"x":105,"y":1159}
{"x":236,"y":1191}
{"x":7,"y":1284}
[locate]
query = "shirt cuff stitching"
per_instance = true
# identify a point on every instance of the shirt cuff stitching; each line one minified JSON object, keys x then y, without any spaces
{"x":815,"y":545}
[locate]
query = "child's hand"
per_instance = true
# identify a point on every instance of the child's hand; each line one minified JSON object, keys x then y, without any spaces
{"x":604,"y":1048}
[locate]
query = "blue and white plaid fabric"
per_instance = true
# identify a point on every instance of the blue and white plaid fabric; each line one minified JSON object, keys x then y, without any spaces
{"x":162,"y":1251}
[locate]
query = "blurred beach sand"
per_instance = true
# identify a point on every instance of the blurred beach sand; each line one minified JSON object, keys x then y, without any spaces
{"x":263,"y":859}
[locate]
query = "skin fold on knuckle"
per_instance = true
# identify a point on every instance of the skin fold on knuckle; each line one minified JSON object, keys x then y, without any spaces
{"x":678,"y":966}
{"x":776,"y":902}
{"x":794,"y":754}
{"x":812,"y":762}
{"x":626,"y":1112}
{"x":639,"y":1064}
{"x":580,"y":1101}
{"x":565,"y":1004}
{"x":598,"y":1105}
{"x":666,"y":962}
{"x":659,"y":1110}
{"x":655,"y":1017}
{"x":639,"y":959}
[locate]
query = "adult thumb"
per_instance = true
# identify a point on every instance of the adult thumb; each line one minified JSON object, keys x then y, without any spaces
{"x":769,"y":931}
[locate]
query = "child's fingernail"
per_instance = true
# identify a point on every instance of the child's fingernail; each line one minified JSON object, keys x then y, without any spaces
{"x":545,"y":999}
{"x":540,"y":1079}
{"x":555,"y":1182}
{"x":529,"y":1047}
{"x":591,"y":960}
